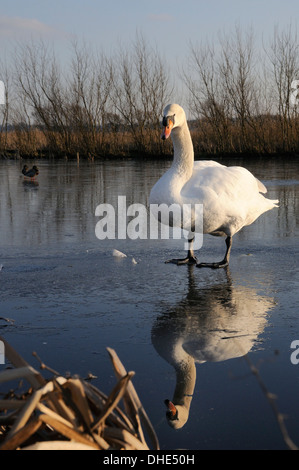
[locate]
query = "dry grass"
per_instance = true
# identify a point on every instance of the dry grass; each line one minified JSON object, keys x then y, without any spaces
{"x":265,"y":135}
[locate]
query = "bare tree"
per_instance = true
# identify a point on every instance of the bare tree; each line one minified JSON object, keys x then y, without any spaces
{"x":237,"y":75}
{"x":241,"y":102}
{"x":4,"y":107}
{"x":39,"y":79}
{"x":235,"y":101}
{"x":140,"y":90}
{"x":284,"y":60}
{"x":207,"y":100}
{"x":90,"y":85}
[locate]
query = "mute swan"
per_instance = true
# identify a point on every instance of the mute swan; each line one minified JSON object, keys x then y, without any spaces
{"x":231,"y":196}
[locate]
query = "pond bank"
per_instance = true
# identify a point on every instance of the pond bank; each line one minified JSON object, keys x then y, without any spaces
{"x":16,"y":155}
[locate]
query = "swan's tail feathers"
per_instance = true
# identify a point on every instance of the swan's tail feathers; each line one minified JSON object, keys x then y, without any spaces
{"x":262,"y":189}
{"x":261,"y":186}
{"x":273,"y":203}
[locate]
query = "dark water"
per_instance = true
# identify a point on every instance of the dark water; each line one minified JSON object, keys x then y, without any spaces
{"x":69,"y":299}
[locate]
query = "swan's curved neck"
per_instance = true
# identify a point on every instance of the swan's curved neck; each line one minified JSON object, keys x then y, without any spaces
{"x":185,"y":383}
{"x":183,"y":158}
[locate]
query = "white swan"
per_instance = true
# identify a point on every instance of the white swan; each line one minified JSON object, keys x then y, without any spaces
{"x":231,"y":196}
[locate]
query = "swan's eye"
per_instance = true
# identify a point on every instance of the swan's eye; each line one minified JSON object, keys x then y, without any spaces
{"x":167,"y":119}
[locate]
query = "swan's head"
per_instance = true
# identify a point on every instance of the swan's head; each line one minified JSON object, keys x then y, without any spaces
{"x":173,"y":116}
{"x":177,"y":415}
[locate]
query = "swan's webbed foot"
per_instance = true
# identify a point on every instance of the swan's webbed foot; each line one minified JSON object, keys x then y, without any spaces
{"x":224,"y":262}
{"x":221,"y":264}
{"x":190,"y":260}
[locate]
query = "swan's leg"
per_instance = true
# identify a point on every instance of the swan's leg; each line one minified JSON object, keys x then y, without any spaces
{"x":190,"y":258}
{"x":222,"y":264}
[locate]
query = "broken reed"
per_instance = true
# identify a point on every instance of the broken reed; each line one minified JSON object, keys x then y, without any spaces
{"x":69,"y":413}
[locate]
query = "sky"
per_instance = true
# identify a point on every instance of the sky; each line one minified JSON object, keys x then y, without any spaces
{"x":168,"y":25}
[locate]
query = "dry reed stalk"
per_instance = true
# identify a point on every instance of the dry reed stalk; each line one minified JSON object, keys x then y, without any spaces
{"x":71,"y":412}
{"x":132,"y":403}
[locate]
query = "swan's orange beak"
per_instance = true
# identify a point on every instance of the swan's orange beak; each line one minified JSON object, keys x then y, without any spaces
{"x":173,"y":413}
{"x":167,"y":129}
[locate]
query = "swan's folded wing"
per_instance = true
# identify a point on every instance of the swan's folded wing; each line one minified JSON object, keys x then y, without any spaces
{"x":233,"y":182}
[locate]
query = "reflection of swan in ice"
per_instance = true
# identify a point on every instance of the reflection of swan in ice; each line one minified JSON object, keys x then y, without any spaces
{"x":212,"y":324}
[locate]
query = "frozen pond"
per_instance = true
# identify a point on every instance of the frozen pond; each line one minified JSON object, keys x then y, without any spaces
{"x":69,"y":299}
